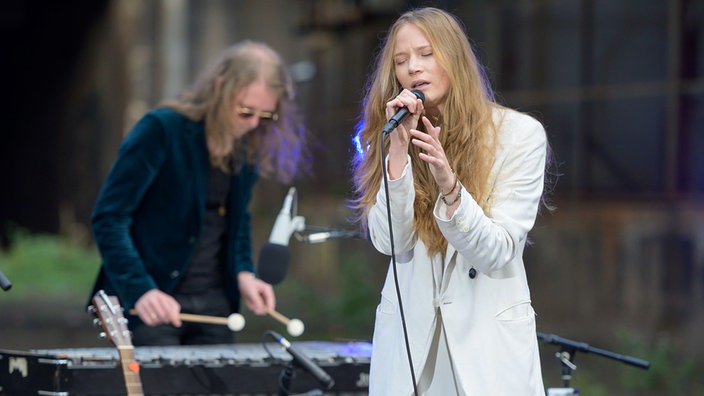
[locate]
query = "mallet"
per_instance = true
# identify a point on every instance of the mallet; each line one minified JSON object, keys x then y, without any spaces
{"x":294,"y":326}
{"x":234,"y":322}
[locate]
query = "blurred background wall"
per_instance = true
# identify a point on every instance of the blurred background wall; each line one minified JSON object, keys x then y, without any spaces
{"x":619,"y":86}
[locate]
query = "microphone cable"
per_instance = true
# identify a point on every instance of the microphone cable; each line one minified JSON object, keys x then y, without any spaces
{"x":393,"y":263}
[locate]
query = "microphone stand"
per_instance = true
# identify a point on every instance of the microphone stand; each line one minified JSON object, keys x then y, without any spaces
{"x":569,"y":348}
{"x":297,"y":359}
{"x":5,"y":283}
{"x":285,"y":378}
{"x":315,"y":234}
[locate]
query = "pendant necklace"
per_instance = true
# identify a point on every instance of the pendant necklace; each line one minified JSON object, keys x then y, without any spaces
{"x":223,"y":183}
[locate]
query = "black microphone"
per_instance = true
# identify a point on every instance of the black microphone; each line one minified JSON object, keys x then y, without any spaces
{"x":5,"y":283}
{"x":401,"y":114}
{"x":273,"y":263}
{"x":275,"y":254}
{"x":303,"y":360}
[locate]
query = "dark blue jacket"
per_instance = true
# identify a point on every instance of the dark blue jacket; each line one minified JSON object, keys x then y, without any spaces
{"x":149,"y":213}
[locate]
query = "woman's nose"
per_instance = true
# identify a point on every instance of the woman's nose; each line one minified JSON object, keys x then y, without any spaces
{"x":413,"y":66}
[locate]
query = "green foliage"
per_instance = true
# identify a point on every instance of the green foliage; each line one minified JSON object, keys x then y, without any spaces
{"x":346,"y":311}
{"x":44,"y":266}
{"x":669,"y":372}
{"x":358,"y":297}
{"x":589,"y":383}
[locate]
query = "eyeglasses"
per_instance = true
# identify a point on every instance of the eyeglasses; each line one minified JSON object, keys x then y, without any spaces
{"x":246,"y":112}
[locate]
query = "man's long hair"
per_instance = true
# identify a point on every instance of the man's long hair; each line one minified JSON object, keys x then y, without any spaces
{"x":275,"y":147}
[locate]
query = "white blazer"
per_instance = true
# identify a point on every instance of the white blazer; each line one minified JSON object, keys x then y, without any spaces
{"x":488,"y":318}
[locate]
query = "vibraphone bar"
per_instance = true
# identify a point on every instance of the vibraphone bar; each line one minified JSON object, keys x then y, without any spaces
{"x":237,"y":369}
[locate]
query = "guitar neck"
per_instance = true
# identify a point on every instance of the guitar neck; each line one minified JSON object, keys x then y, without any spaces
{"x":130,"y":370}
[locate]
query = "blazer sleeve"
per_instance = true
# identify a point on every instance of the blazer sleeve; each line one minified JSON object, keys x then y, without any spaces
{"x":491,"y":241}
{"x":402,"y":196}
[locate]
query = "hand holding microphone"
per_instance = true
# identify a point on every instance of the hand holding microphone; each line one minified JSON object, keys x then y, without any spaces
{"x":402,"y":113}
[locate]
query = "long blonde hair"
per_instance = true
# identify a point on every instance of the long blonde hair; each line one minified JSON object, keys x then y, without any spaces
{"x":276,"y":147}
{"x":468,"y":134}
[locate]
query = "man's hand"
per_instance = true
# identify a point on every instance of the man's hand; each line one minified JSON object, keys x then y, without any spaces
{"x":156,"y":307}
{"x":257,"y":294}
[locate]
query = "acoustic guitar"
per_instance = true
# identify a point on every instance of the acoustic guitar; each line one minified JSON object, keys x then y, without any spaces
{"x":110,"y":314}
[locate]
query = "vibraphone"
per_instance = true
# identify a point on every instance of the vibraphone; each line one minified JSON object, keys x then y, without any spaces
{"x":237,"y":369}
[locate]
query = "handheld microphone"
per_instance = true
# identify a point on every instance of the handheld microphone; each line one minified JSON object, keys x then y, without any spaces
{"x":275,"y":254}
{"x":401,"y":114}
{"x":303,"y":360}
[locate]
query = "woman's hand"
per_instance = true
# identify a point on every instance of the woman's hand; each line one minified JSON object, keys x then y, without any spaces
{"x":433,"y":154}
{"x":400,"y":137}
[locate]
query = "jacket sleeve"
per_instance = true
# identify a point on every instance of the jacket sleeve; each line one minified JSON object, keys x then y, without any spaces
{"x":402,"y":196}
{"x":140,"y":156}
{"x":243,"y":246}
{"x":491,"y":241}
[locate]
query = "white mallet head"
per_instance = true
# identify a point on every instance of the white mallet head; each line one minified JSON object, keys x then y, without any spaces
{"x":235,"y":322}
{"x":295,"y":327}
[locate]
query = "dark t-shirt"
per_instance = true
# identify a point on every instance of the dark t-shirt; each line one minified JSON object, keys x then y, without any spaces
{"x":206,"y":270}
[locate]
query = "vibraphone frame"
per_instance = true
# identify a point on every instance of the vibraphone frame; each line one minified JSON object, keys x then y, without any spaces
{"x":237,"y":369}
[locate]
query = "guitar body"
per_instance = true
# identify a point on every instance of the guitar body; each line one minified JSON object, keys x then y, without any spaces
{"x":110,"y":313}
